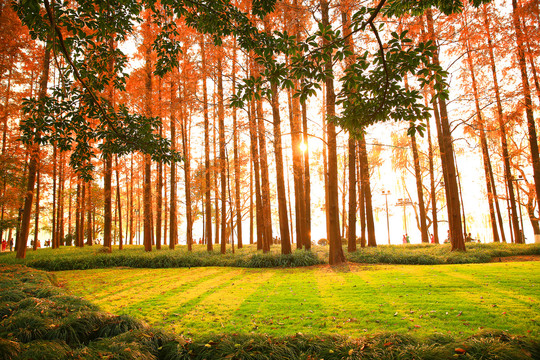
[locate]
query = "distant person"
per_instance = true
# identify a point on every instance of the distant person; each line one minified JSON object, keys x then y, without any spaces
{"x":407,"y":238}
{"x":4,"y":245}
{"x":11,"y":244}
{"x":404,"y":239}
{"x":447,"y":240}
{"x":432,"y":239}
{"x":468,"y":238}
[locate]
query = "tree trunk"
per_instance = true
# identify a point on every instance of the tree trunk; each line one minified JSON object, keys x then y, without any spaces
{"x":221,"y":163}
{"x":173,"y":228}
{"x":502,"y":129}
{"x":36,"y":219}
{"x":237,"y":173}
{"x":90,"y":238}
{"x":207,"y":186}
{"x":32,"y":167}
{"x":447,"y":158}
{"x":351,"y":243}
{"x":531,"y":126}
{"x":147,"y":240}
{"x":265,"y":179}
{"x":307,"y":180}
{"x":278,"y":152}
{"x":185,"y":124}
{"x":118,"y":206}
{"x":255,"y":159}
{"x":131,"y":232}
{"x":336,"y":255}
{"x":366,"y":189}
{"x":490,"y":187}
{"x":419,"y":190}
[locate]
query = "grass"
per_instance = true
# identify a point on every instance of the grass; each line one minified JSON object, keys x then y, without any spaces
{"x":355,"y":300}
{"x":39,"y":320}
{"x":93,"y":257}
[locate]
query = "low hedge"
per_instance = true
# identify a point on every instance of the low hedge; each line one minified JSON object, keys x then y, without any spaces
{"x":135,"y":257}
{"x":431,"y":254}
{"x":94,"y":257}
{"x":40,"y":321}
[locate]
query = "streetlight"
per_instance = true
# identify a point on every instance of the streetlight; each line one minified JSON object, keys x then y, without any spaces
{"x":386,"y":193}
{"x":404,"y":203}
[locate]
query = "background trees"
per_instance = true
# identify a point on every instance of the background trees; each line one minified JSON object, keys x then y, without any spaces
{"x":146,"y":81}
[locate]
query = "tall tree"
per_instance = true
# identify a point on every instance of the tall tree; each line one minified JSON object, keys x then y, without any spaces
{"x":531,"y":126}
{"x":33,"y":165}
{"x":336,"y":255}
{"x":447,"y":158}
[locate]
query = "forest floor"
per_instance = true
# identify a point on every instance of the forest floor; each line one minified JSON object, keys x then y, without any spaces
{"x":352,"y":300}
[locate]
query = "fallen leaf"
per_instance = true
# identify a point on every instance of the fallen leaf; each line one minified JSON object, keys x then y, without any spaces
{"x":460,"y":351}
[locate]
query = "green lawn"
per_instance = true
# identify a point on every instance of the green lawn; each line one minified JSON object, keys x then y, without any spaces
{"x":459,"y":300}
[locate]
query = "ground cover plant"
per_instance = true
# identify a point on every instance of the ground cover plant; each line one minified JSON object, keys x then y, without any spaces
{"x":353,"y":301}
{"x":93,"y":257}
{"x":39,"y":320}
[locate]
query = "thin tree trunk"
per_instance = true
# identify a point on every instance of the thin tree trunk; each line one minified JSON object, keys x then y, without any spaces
{"x":255,"y":159}
{"x":89,"y":212}
{"x":222,"y":150}
{"x":265,"y":179}
{"x":351,"y":243}
{"x":147,"y":240}
{"x":307,"y":179}
{"x":419,"y":190}
{"x":185,"y":124}
{"x":173,"y":228}
{"x":118,"y":206}
{"x":36,"y":219}
{"x":131,"y":232}
{"x":207,"y":186}
{"x":237,"y":173}
{"x":361,"y":200}
{"x":433,"y":192}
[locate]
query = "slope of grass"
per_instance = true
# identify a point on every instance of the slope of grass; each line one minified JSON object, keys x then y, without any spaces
{"x":94,"y":257}
{"x":353,"y":300}
{"x":39,"y":320}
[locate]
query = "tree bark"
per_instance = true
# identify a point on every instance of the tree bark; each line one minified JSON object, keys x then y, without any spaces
{"x":419,"y":190}
{"x":222,"y":160}
{"x":336,"y":255}
{"x":173,"y":228}
{"x":278,"y":153}
{"x":32,"y":167}
{"x":366,"y":189}
{"x":447,"y":157}
{"x":237,"y":173}
{"x":207,"y":186}
{"x":531,"y":126}
{"x":502,"y":129}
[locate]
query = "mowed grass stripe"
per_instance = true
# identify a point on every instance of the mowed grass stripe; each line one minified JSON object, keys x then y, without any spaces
{"x":219,"y":310}
{"x":122,"y":299}
{"x":175,"y":303}
{"x":100,"y":282}
{"x":286,"y":303}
